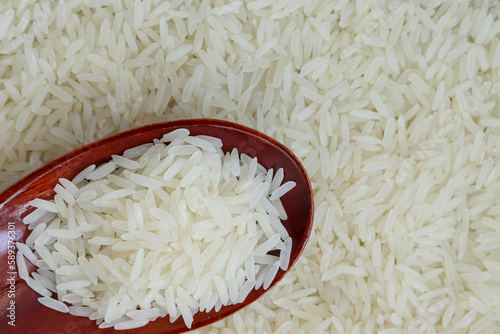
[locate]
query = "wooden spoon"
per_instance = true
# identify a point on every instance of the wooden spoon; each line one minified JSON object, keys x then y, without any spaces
{"x":31,"y":317}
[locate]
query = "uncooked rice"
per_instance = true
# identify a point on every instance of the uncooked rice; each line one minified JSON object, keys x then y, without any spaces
{"x":418,"y":193}
{"x":146,"y":247}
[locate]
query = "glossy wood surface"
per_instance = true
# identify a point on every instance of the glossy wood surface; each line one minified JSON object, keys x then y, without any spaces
{"x":32,"y":317}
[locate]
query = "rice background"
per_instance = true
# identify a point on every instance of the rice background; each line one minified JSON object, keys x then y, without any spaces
{"x":392,"y":106}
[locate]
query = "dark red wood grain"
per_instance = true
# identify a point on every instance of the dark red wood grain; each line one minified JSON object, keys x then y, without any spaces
{"x":32,"y":317}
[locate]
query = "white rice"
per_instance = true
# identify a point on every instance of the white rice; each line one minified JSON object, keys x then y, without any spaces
{"x":46,"y":282}
{"x":36,"y":216}
{"x":261,"y":63}
{"x":77,"y":268}
{"x":175,"y":134}
{"x":53,"y":304}
{"x":124,"y":162}
{"x":44,"y":204}
{"x":83,"y":174}
{"x":26,"y":251}
{"x":136,"y":151}
{"x":22,"y":269}
{"x":130,"y":324}
{"x":285,"y":254}
{"x":38,"y":287}
{"x":69,"y":186}
{"x":102,"y":171}
{"x":283,"y":189}
{"x":271,"y":274}
{"x":80,"y":311}
{"x":65,"y":194}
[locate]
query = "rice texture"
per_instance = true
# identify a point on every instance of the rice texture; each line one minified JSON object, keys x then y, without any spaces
{"x":392,"y":106}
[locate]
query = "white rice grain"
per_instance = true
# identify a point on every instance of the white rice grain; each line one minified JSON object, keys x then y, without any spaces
{"x":130,"y":324}
{"x":44,"y":205}
{"x":101,"y":171}
{"x":282,"y":190}
{"x":54,"y":304}
{"x":175,"y":134}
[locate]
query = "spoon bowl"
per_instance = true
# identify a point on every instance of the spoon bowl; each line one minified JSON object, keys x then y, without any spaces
{"x":32,"y":317}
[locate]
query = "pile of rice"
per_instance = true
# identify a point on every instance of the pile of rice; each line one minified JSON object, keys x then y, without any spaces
{"x":172,"y":228}
{"x":392,"y":106}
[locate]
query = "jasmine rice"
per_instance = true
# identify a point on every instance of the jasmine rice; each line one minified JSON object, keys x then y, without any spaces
{"x":168,"y":229}
{"x":304,"y":73}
